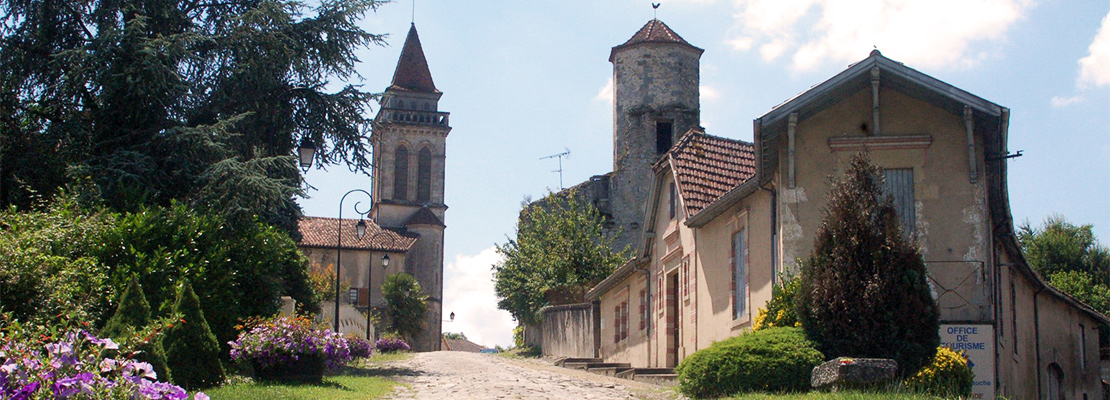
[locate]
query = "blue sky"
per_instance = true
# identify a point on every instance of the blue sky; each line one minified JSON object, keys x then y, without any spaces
{"x":523,"y":80}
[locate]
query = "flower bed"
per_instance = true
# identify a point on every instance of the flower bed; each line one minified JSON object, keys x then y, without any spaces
{"x":391,"y":345}
{"x":43,"y":368}
{"x":360,"y":348}
{"x":290,"y":349}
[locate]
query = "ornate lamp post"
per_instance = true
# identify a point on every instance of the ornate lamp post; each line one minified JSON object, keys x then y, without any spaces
{"x":370,"y":290}
{"x":360,"y":231}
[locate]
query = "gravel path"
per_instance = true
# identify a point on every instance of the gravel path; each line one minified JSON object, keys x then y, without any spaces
{"x":459,"y":375}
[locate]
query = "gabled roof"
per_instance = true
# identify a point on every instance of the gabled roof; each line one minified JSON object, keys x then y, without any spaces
{"x":461,"y":345}
{"x":412,"y":72}
{"x":654,"y":31}
{"x":425,"y":216}
{"x":706,"y":167}
{"x":320,"y":232}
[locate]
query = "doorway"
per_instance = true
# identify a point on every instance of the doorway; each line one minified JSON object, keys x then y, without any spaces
{"x":674,"y":320}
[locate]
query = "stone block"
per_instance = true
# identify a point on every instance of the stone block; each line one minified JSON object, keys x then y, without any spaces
{"x":845,"y":372}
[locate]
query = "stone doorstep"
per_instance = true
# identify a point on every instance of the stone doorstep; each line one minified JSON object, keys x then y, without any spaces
{"x":562,"y":362}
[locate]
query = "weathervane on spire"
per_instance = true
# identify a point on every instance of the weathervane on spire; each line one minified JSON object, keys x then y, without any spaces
{"x":654,"y":7}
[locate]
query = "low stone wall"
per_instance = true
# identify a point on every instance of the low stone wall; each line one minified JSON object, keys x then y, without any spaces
{"x":351,"y":321}
{"x":571,"y":330}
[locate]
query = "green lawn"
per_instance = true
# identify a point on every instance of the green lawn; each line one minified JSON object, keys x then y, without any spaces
{"x":366,"y":380}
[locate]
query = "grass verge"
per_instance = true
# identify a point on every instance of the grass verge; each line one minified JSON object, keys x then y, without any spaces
{"x":851,"y":395}
{"x":358,"y":381}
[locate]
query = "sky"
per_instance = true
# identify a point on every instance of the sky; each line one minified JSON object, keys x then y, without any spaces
{"x":526,"y":79}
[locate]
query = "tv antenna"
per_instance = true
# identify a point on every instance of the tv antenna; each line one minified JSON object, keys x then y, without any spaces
{"x":565,"y":153}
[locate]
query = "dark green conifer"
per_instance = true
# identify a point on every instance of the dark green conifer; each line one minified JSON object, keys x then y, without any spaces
{"x":132,"y":315}
{"x":192,"y":350}
{"x":864,"y":291}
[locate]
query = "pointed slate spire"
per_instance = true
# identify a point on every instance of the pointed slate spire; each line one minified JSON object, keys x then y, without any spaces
{"x":412,"y":72}
{"x":654,"y":31}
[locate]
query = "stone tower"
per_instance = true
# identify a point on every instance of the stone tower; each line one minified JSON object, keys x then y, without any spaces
{"x":655,"y":101}
{"x":409,"y":139}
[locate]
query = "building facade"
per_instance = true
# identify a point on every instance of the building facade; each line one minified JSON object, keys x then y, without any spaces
{"x":724,"y":219}
{"x":409,"y":140}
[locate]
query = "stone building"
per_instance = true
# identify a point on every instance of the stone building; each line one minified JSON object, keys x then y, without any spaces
{"x":409,"y":140}
{"x":722,"y":219}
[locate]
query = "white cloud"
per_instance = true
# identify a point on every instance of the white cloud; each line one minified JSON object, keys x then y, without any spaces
{"x":1061,"y":102}
{"x":606,"y":93}
{"x":1094,"y":69}
{"x":932,"y":33}
{"x":468,"y":292}
{"x":708,"y":93}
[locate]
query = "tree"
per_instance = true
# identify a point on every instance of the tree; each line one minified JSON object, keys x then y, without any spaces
{"x":1059,"y":246}
{"x":131,"y":317}
{"x":197,"y":101}
{"x":454,"y":335}
{"x":559,"y":253}
{"x":405,"y":305}
{"x":191,"y":348}
{"x":864,"y":291}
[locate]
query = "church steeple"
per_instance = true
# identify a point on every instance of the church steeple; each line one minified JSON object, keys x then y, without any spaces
{"x":412,"y":73}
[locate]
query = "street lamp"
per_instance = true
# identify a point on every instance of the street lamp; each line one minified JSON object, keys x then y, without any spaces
{"x":370,"y":290}
{"x":360,"y":230}
{"x":306,"y":151}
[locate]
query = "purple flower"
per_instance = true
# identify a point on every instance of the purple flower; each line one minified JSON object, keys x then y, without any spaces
{"x":200,"y":396}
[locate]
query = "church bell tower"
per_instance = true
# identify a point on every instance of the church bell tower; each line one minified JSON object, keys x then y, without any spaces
{"x":409,"y":140}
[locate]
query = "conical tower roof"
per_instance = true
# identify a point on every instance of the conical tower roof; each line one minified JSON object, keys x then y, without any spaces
{"x":654,"y":31}
{"x":412,"y":72}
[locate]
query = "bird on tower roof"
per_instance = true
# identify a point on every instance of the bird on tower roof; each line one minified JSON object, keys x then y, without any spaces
{"x":412,"y":73}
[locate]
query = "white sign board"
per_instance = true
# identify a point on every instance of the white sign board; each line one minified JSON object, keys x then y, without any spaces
{"x":977,"y":343}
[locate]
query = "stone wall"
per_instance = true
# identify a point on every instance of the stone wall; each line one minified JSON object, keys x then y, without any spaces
{"x":570,"y":330}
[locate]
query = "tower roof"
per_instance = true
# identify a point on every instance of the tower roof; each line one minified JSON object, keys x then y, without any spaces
{"x":412,"y":72}
{"x":654,"y":31}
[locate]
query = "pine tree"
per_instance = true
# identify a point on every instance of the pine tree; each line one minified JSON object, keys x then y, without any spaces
{"x":194,"y":354}
{"x":864,"y":291}
{"x":132,"y":315}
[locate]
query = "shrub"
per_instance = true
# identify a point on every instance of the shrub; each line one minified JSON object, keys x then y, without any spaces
{"x":359,"y":347}
{"x":133,"y":315}
{"x":391,"y":345}
{"x":773,"y":359}
{"x":283,"y":340}
{"x":864,"y":291}
{"x":192,"y":350}
{"x":73,"y":365}
{"x":780,"y":310}
{"x":947,"y":374}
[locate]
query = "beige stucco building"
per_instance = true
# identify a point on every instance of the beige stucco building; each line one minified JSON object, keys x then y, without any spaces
{"x":724,"y":219}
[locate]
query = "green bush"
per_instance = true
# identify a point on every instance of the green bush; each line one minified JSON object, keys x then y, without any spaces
{"x":945,"y":375}
{"x":864,"y":291}
{"x":406,"y":305}
{"x":133,"y":315}
{"x":770,"y":360}
{"x":191,"y":348}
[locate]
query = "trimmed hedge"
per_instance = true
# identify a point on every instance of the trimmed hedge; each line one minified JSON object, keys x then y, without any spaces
{"x":192,"y":350}
{"x":770,"y":360}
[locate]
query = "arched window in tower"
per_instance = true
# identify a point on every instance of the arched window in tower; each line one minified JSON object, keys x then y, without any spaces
{"x":664,"y":132}
{"x":424,"y":175}
{"x":401,"y":173}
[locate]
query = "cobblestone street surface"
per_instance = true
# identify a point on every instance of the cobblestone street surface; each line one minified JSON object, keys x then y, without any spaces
{"x":459,"y":375}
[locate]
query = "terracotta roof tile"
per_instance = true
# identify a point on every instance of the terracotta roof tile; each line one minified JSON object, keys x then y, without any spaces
{"x":424,"y":216}
{"x":706,"y":167}
{"x":321,"y":233}
{"x":654,"y":31}
{"x":412,"y":73}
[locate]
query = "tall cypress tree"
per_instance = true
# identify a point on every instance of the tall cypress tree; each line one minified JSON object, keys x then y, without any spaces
{"x":191,"y":348}
{"x":132,"y":315}
{"x":864,"y":291}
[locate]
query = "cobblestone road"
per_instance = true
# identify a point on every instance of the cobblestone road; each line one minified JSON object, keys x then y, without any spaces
{"x":458,"y":375}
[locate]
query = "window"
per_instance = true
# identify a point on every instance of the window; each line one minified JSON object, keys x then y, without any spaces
{"x":898,"y":184}
{"x":739,"y":273}
{"x":401,"y":173}
{"x":643,"y":309}
{"x":664,"y":132}
{"x":624,"y":320}
{"x":424,"y":175}
{"x":620,"y":322}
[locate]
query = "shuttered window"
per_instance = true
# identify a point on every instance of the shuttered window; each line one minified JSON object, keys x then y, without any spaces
{"x":899,"y":186}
